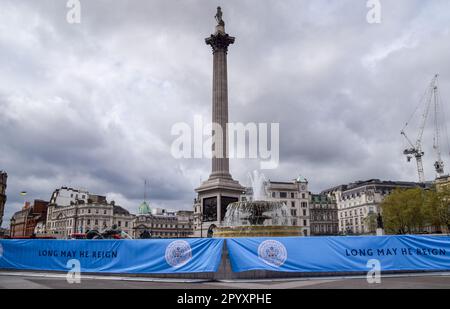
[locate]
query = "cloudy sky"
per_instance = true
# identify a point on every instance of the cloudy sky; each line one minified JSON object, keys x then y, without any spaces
{"x":91,"y":105}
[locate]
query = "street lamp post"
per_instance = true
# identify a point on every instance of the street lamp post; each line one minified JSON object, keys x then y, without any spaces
{"x":201,"y":226}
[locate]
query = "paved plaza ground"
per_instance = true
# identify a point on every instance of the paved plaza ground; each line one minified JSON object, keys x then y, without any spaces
{"x":11,"y":280}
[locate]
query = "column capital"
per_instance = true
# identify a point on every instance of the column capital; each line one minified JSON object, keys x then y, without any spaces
{"x":220,"y":41}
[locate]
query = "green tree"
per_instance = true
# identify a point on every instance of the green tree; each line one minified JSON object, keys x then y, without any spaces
{"x":437,"y":208}
{"x":404,"y":211}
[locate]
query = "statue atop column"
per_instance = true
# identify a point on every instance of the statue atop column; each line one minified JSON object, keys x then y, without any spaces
{"x":220,"y":40}
{"x":219,"y":17}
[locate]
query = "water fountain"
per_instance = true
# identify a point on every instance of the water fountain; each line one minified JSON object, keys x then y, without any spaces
{"x":259,"y":217}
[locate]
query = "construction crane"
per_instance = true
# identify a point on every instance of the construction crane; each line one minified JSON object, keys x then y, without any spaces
{"x":431,"y":97}
{"x":439,"y":164}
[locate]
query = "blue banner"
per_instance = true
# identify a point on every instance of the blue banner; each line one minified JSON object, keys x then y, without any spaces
{"x":153,"y":256}
{"x":340,"y":254}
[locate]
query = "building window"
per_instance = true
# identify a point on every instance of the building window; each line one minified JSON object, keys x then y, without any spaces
{"x":96,"y":222}
{"x":119,"y":223}
{"x":126,"y":223}
{"x":304,"y":212}
{"x":273,"y":194}
{"x":88,"y":221}
{"x":305,"y":222}
{"x":283,"y":194}
{"x":292,"y":195}
{"x":104,"y":212}
{"x":293,"y":204}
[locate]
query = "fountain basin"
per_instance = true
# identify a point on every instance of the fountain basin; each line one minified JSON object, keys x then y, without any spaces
{"x":257,"y":231}
{"x":257,"y":219}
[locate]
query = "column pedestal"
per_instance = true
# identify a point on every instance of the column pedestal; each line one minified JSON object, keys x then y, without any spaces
{"x":380,"y":232}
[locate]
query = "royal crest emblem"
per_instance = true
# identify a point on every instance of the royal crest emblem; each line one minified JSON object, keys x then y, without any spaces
{"x":178,"y":253}
{"x":272,"y":252}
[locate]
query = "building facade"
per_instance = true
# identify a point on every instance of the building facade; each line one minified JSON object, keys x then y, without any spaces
{"x":358,"y":203}
{"x":199,"y":226}
{"x":296,"y":196}
{"x":442,"y":183}
{"x":24,"y":222}
{"x":324,"y":215}
{"x":160,"y":223}
{"x":66,"y":196}
{"x":87,"y":212}
{"x":3,"y":180}
{"x":185,"y":223}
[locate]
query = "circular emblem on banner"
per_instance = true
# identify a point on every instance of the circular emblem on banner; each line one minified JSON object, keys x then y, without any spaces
{"x":272,"y":252}
{"x":178,"y":253}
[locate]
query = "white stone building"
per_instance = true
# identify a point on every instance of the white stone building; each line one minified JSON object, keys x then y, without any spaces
{"x":297,"y":198}
{"x":66,"y":196}
{"x":88,"y":212}
{"x":359,"y":203}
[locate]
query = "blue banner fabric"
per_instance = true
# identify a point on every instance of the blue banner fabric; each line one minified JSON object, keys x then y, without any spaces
{"x":157,"y":256}
{"x":340,"y":254}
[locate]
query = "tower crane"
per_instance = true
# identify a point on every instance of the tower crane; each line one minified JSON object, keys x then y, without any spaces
{"x":439,"y":164}
{"x":431,"y":97}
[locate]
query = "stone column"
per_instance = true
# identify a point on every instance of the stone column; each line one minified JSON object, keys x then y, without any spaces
{"x":220,"y":187}
{"x":219,"y":41}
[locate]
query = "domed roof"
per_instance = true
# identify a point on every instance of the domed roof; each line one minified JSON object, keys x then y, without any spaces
{"x":301,"y":179}
{"x":144,"y":208}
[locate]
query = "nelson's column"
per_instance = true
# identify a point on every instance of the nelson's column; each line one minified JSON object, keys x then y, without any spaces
{"x":215,"y":194}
